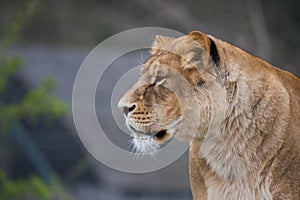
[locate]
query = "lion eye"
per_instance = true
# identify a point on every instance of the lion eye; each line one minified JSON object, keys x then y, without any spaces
{"x":159,"y":79}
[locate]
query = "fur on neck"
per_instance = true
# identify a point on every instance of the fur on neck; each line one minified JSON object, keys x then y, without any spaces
{"x":236,"y":147}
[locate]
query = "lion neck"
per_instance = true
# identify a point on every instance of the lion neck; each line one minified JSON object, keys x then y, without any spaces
{"x":239,"y":148}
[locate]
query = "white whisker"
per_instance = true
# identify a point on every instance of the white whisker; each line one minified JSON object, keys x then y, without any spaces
{"x":157,"y":124}
{"x":143,"y":145}
{"x":142,"y":56}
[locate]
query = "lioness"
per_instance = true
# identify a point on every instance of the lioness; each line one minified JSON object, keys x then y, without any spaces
{"x":240,"y":114}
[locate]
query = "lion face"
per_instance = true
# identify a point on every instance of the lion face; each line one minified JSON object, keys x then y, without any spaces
{"x":171,"y":96}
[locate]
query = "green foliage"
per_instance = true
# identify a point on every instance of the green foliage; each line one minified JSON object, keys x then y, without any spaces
{"x":40,"y":102}
{"x":8,"y":66}
{"x":36,"y":103}
{"x":31,"y":188}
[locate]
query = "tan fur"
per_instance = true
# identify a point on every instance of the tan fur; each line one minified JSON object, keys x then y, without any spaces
{"x":240,"y":113}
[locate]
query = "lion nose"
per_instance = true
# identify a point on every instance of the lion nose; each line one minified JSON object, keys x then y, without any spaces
{"x":127,"y":109}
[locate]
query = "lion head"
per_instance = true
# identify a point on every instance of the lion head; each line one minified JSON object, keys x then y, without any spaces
{"x":173,"y":96}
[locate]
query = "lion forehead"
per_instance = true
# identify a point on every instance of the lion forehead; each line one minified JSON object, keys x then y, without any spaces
{"x":182,"y":52}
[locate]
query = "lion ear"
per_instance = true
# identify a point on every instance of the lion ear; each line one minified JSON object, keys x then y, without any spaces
{"x":160,"y":42}
{"x":207,"y":43}
{"x":201,"y":38}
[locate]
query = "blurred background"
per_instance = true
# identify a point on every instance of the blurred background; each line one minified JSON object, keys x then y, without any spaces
{"x":42,"y":44}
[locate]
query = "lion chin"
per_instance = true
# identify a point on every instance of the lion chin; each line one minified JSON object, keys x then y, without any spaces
{"x":240,"y":114}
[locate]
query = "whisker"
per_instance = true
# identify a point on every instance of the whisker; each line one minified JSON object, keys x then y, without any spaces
{"x":162,"y":117}
{"x":142,"y":55}
{"x":139,"y":62}
{"x":142,"y":61}
{"x":158,"y":125}
{"x":153,"y":155}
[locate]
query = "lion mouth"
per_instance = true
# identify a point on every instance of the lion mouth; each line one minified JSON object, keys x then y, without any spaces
{"x":158,"y":136}
{"x":161,"y":134}
{"x":148,"y":141}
